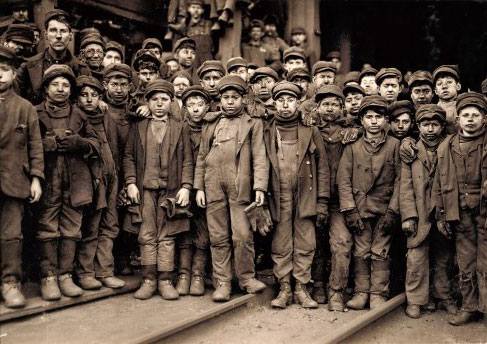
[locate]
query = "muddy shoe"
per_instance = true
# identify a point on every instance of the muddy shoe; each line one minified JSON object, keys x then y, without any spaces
{"x":319,"y":293}
{"x":146,"y":290}
{"x":12,"y":295}
{"x":463,"y":318}
{"x":183,"y":284}
{"x":377,"y":301}
{"x":448,"y":305}
{"x":197,"y":286}
{"x":167,"y":290}
{"x":358,"y":301}
{"x":285,"y":297}
{"x":335,"y":303}
{"x":302,"y":297}
{"x":67,"y":286}
{"x":50,"y":289}
{"x":89,"y":283}
{"x":413,"y":311}
{"x":222,"y":291}
{"x":253,"y":286}
{"x":113,"y":282}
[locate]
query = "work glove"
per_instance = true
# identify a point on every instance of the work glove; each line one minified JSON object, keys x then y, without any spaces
{"x":259,"y":218}
{"x":386,"y":222}
{"x":49,"y":144}
{"x":408,"y":150}
{"x":410,"y":227}
{"x":322,"y":215}
{"x":72,"y":144}
{"x":354,"y":222}
{"x":444,"y":228}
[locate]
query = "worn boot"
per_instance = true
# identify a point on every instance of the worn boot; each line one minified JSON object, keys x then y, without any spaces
{"x":285,"y":297}
{"x":67,"y":286}
{"x":319,"y":293}
{"x":89,"y":283}
{"x":183,"y":284}
{"x":149,"y":284}
{"x":413,"y":311}
{"x":253,"y":286}
{"x":335,"y":303}
{"x":358,"y":301}
{"x":222,"y":291}
{"x":463,"y":318}
{"x":302,"y":297}
{"x":12,"y":295}
{"x":379,"y":282}
{"x":113,"y":282}
{"x":167,"y":290}
{"x":198,"y":271}
{"x":377,"y":300}
{"x":50,"y":289}
{"x":362,"y":284}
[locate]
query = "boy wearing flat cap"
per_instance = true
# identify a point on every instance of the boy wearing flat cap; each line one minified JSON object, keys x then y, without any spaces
{"x":299,"y":38}
{"x":20,"y":38}
{"x":146,"y":65}
{"x":100,"y":222}
{"x":401,"y":119}
{"x":389,"y":83}
{"x":180,"y":80}
{"x":293,"y":57}
{"x":460,"y":189}
{"x":210,"y":73}
{"x":158,"y":168}
{"x":302,"y":78}
{"x":70,"y":143}
{"x":113,"y":54}
{"x":21,"y":175}
{"x":368,"y":183}
{"x":421,"y":88}
{"x":232,"y":171}
{"x":238,"y":66}
{"x":446,"y":80}
{"x":262,"y":104}
{"x":367,"y":81}
{"x":299,"y":184}
{"x":354,"y":94}
{"x":185,"y":51}
{"x":424,"y":242}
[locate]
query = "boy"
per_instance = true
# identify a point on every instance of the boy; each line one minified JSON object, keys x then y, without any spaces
{"x":158,"y":167}
{"x":302,"y":78}
{"x":299,"y":181}
{"x":401,"y":119}
{"x":100,"y":223}
{"x":367,"y":81}
{"x":446,"y":80}
{"x":460,"y":190}
{"x":231,"y":153}
{"x":293,"y":57}
{"x":69,"y":143}
{"x":421,"y":88}
{"x":416,"y":204}
{"x":180,"y":80}
{"x":20,"y":176}
{"x":262,"y":83}
{"x":368,"y":183}
{"x":389,"y":83}
{"x":354,"y":94}
{"x":185,"y":51}
{"x":238,"y":66}
{"x":210,"y":73}
{"x":146,"y":66}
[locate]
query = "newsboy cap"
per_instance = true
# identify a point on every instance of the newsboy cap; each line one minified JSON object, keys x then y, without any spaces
{"x":184,"y":43}
{"x":232,"y":82}
{"x":56,"y":70}
{"x":367,"y":71}
{"x":56,"y":14}
{"x":117,"y":69}
{"x":400,"y":107}
{"x":86,"y":80}
{"x":286,"y":87}
{"x":387,"y":73}
{"x":471,"y":99}
{"x":323,"y":66}
{"x":153,"y":41}
{"x":147,"y":56}
{"x":92,"y":39}
{"x":196,"y":90}
{"x":353,"y":87}
{"x":113,"y":45}
{"x":294,"y":52}
{"x":210,"y":65}
{"x":235,"y":62}
{"x":159,"y":85}
{"x":7,"y":54}
{"x":21,"y":33}
{"x":451,"y":70}
{"x":298,"y":73}
{"x":420,"y":77}
{"x":430,"y":111}
{"x":263,"y":72}
{"x":328,"y":90}
{"x":375,"y":101}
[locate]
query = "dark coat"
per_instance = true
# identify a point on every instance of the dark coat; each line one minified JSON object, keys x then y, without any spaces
{"x":251,"y":160}
{"x":81,"y":186}
{"x":180,"y":163}
{"x":415,"y":199}
{"x":313,"y":171}
{"x":21,"y":156}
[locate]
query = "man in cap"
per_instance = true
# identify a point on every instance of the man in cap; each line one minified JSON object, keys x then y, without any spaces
{"x":20,"y":38}
{"x":185,"y":51}
{"x":92,"y":53}
{"x":389,"y":83}
{"x":421,"y":88}
{"x":58,"y":34}
{"x":210,"y":73}
{"x":446,"y":80}
{"x":271,"y":37}
{"x":258,"y":52}
{"x":100,"y":222}
{"x":369,"y":200}
{"x":158,"y":168}
{"x":417,"y":201}
{"x":232,"y":166}
{"x":367,"y":81}
{"x":69,"y":142}
{"x":262,"y":104}
{"x":21,"y":146}
{"x":293,"y":57}
{"x":20,"y":15}
{"x":294,"y":208}
{"x":401,"y":118}
{"x":460,"y":189}
{"x":354,"y":94}
{"x":113,"y":54}
{"x":302,"y":78}
{"x":299,"y":39}
{"x":238,"y":66}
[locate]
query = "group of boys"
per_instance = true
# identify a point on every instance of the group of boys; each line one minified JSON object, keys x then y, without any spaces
{"x":189,"y":160}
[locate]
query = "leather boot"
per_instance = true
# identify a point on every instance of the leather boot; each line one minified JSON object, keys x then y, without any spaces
{"x":358,"y":301}
{"x":377,"y":301}
{"x":463,"y":318}
{"x":50,"y":289}
{"x":362,"y":284}
{"x":167,"y":290}
{"x":198,"y":271}
{"x":252,"y":286}
{"x":183,"y":284}
{"x":12,"y":295}
{"x":285,"y":297}
{"x":319,"y":293}
{"x":302,"y":297}
{"x":413,"y":311}
{"x":335,"y":303}
{"x":149,"y":284}
{"x":222,"y":291}
{"x":113,"y":282}
{"x":89,"y":283}
{"x":67,"y":286}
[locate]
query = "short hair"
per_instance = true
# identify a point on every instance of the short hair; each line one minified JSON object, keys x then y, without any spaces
{"x":61,"y":19}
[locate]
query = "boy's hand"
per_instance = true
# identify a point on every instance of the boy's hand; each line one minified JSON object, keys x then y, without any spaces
{"x":407,"y":150}
{"x":182,"y":197}
{"x":103,"y":106}
{"x":444,"y":228}
{"x":201,"y":199}
{"x":35,"y":190}
{"x":143,"y":111}
{"x":410,"y":227}
{"x":259,"y":198}
{"x":133,"y":193}
{"x":350,"y":135}
{"x":386,"y":223}
{"x":354,"y":222}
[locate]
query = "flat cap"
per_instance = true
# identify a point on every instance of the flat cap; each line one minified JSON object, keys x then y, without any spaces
{"x":328,"y":90}
{"x":56,"y":70}
{"x":257,"y":23}
{"x":252,"y":65}
{"x":159,"y":85}
{"x":298,"y":73}
{"x":112,"y":45}
{"x":483,"y":86}
{"x":145,"y":56}
{"x":88,"y":31}
{"x":286,"y":87}
{"x":153,"y":41}
{"x":235,"y":62}
{"x":232,"y":82}
{"x":196,"y":90}
{"x":210,"y":65}
{"x":7,"y":54}
{"x":21,"y":33}
{"x":184,"y":43}
{"x":298,"y":30}
{"x":333,"y":55}
{"x":92,"y":39}
{"x":56,"y":14}
{"x":181,"y":74}
{"x":400,"y":107}
{"x":170,"y":57}
{"x":367,"y":71}
{"x":196,"y":2}
{"x":374,"y":101}
{"x":86,"y":80}
{"x":451,"y":70}
{"x":352,"y":87}
{"x":420,"y":77}
{"x":117,"y":69}
{"x":471,"y":99}
{"x":350,"y":77}
{"x":34,"y":27}
{"x":20,"y":5}
{"x":385,"y":73}
{"x":323,"y":66}
{"x":263,"y":72}
{"x":430,"y":111}
{"x":294,"y":52}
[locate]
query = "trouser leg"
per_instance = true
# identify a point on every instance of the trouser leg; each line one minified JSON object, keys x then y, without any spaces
{"x":282,"y":241}
{"x":11,"y":214}
{"x":441,"y":257}
{"x":380,"y":267}
{"x":217,"y":215}
{"x":87,"y":248}
{"x":184,"y":243}
{"x":362,"y":255}
{"x":417,"y":276}
{"x":66,"y":252}
{"x":148,"y":229}
{"x":304,"y":247}
{"x":243,"y":242}
{"x":340,"y":246}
